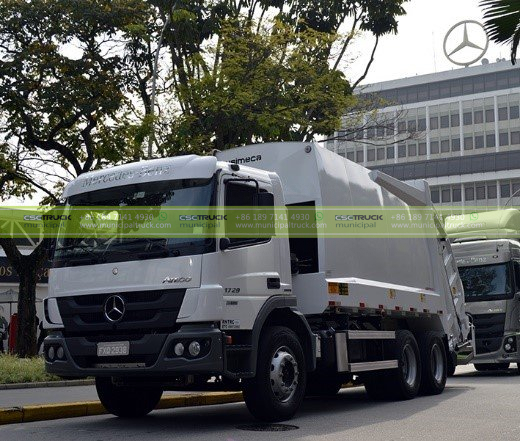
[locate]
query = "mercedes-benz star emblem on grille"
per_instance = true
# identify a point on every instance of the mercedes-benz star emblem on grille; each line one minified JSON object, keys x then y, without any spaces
{"x":114,"y":309}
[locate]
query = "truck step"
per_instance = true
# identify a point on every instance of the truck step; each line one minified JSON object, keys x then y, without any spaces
{"x":371,"y":335}
{"x":372,"y":365}
{"x":238,"y":348}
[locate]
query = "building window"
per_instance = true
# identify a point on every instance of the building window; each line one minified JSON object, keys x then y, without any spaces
{"x":371,"y":155}
{"x":445,"y":122}
{"x":350,"y":156}
{"x":513,"y":112}
{"x":421,"y":124}
{"x":479,"y":141}
{"x":380,"y":131}
{"x":380,"y":154}
{"x":446,"y":195}
{"x":390,"y":153}
{"x":422,"y":148}
{"x":516,"y":189}
{"x":435,"y":195}
{"x":492,"y":191}
{"x":490,"y":115}
{"x":445,"y":146}
{"x":467,"y":118}
{"x":469,"y":193}
{"x":390,"y":129}
{"x":434,"y":122}
{"x":515,"y":138}
{"x":456,"y":195}
{"x":503,"y":139}
{"x":481,"y":192}
{"x":401,"y":151}
{"x":412,"y":150}
{"x":468,"y":143}
{"x":502,"y":113}
{"x":490,"y":140}
{"x":455,"y":145}
{"x":505,"y":190}
{"x":412,"y":125}
{"x":401,"y":127}
{"x":371,"y":132}
{"x":478,"y":116}
{"x":434,"y":147}
{"x":455,"y":120}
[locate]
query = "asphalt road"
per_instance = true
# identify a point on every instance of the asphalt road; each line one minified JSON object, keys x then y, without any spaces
{"x":473,"y":407}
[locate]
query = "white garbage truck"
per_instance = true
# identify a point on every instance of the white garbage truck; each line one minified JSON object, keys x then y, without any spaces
{"x":279,"y":317}
{"x":487,"y":251}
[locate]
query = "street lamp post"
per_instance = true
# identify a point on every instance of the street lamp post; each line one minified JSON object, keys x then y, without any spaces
{"x":154,"y":81}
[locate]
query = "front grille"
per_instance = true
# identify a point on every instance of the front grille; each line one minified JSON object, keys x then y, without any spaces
{"x":489,"y":331}
{"x":144,"y":310}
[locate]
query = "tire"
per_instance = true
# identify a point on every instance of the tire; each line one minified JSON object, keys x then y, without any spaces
{"x":452,"y":365}
{"x":404,"y":382}
{"x":323,"y":384}
{"x":127,"y":401}
{"x":277,"y":390}
{"x":434,"y":364}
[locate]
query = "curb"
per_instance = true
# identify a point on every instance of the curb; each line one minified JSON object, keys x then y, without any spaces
{"x":45,"y":412}
{"x":38,"y":384}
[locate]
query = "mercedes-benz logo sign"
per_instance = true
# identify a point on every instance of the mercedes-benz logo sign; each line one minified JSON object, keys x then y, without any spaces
{"x":462,"y":50}
{"x":114,"y":309}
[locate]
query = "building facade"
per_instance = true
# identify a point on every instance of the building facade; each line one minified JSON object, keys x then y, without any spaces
{"x":459,"y":130}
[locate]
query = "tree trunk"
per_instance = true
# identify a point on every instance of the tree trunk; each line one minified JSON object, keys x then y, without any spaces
{"x":27,"y":268}
{"x":27,"y":322}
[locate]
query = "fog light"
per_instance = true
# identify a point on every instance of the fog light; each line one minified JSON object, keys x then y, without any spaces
{"x":194,"y":348}
{"x":51,"y":354}
{"x":510,"y":339}
{"x":179,"y":349}
{"x":60,"y":353}
{"x":507,"y":347}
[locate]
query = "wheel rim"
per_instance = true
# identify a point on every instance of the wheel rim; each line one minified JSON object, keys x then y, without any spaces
{"x":437,"y":363}
{"x":409,"y":366}
{"x":284,"y":374}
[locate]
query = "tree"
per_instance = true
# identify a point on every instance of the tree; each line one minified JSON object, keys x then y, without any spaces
{"x":502,"y":22}
{"x":63,"y":109}
{"x":266,"y":70}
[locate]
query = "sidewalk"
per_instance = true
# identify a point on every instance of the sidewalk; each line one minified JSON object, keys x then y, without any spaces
{"x":45,"y":395}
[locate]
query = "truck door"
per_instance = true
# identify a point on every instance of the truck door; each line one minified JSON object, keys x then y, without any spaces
{"x":250,"y":267}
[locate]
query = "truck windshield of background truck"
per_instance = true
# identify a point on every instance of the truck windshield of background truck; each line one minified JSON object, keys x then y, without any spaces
{"x":487,"y":282}
{"x":93,"y":250}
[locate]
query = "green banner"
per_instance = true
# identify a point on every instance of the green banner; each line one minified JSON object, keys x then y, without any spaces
{"x":239,"y":222}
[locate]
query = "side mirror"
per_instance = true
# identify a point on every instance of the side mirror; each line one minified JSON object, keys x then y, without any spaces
{"x":265,"y":199}
{"x":224,"y":243}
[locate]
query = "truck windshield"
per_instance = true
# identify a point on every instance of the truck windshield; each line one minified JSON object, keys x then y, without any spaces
{"x":92,"y":250}
{"x":486,"y":282}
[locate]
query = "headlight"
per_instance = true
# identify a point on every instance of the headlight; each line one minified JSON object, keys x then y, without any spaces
{"x":194,"y":348}
{"x":179,"y":349}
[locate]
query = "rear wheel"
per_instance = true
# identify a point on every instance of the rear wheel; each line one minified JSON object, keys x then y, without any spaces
{"x":403,"y":383}
{"x":434,"y":364}
{"x":127,"y":401}
{"x":277,"y":391}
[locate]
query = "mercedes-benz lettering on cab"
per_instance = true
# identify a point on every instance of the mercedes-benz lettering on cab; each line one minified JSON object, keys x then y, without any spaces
{"x":279,"y":315}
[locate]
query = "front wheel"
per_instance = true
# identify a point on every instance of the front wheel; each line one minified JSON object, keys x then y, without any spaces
{"x":277,"y":390}
{"x":127,"y":401}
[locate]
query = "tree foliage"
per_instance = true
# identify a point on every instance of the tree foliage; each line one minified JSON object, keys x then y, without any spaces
{"x":502,"y":22}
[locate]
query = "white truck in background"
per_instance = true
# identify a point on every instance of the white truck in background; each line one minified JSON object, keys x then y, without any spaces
{"x":487,"y":252}
{"x":281,"y":317}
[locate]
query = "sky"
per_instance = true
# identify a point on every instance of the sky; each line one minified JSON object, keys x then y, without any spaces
{"x":418,"y":46}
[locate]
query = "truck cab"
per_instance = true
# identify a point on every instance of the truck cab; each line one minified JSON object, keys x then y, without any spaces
{"x":488,"y":260}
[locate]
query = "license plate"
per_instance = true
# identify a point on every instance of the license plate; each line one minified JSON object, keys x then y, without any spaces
{"x":113,"y":349}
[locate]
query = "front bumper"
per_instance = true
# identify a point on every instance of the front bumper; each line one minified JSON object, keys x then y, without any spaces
{"x":500,"y":355}
{"x":150,"y":355}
